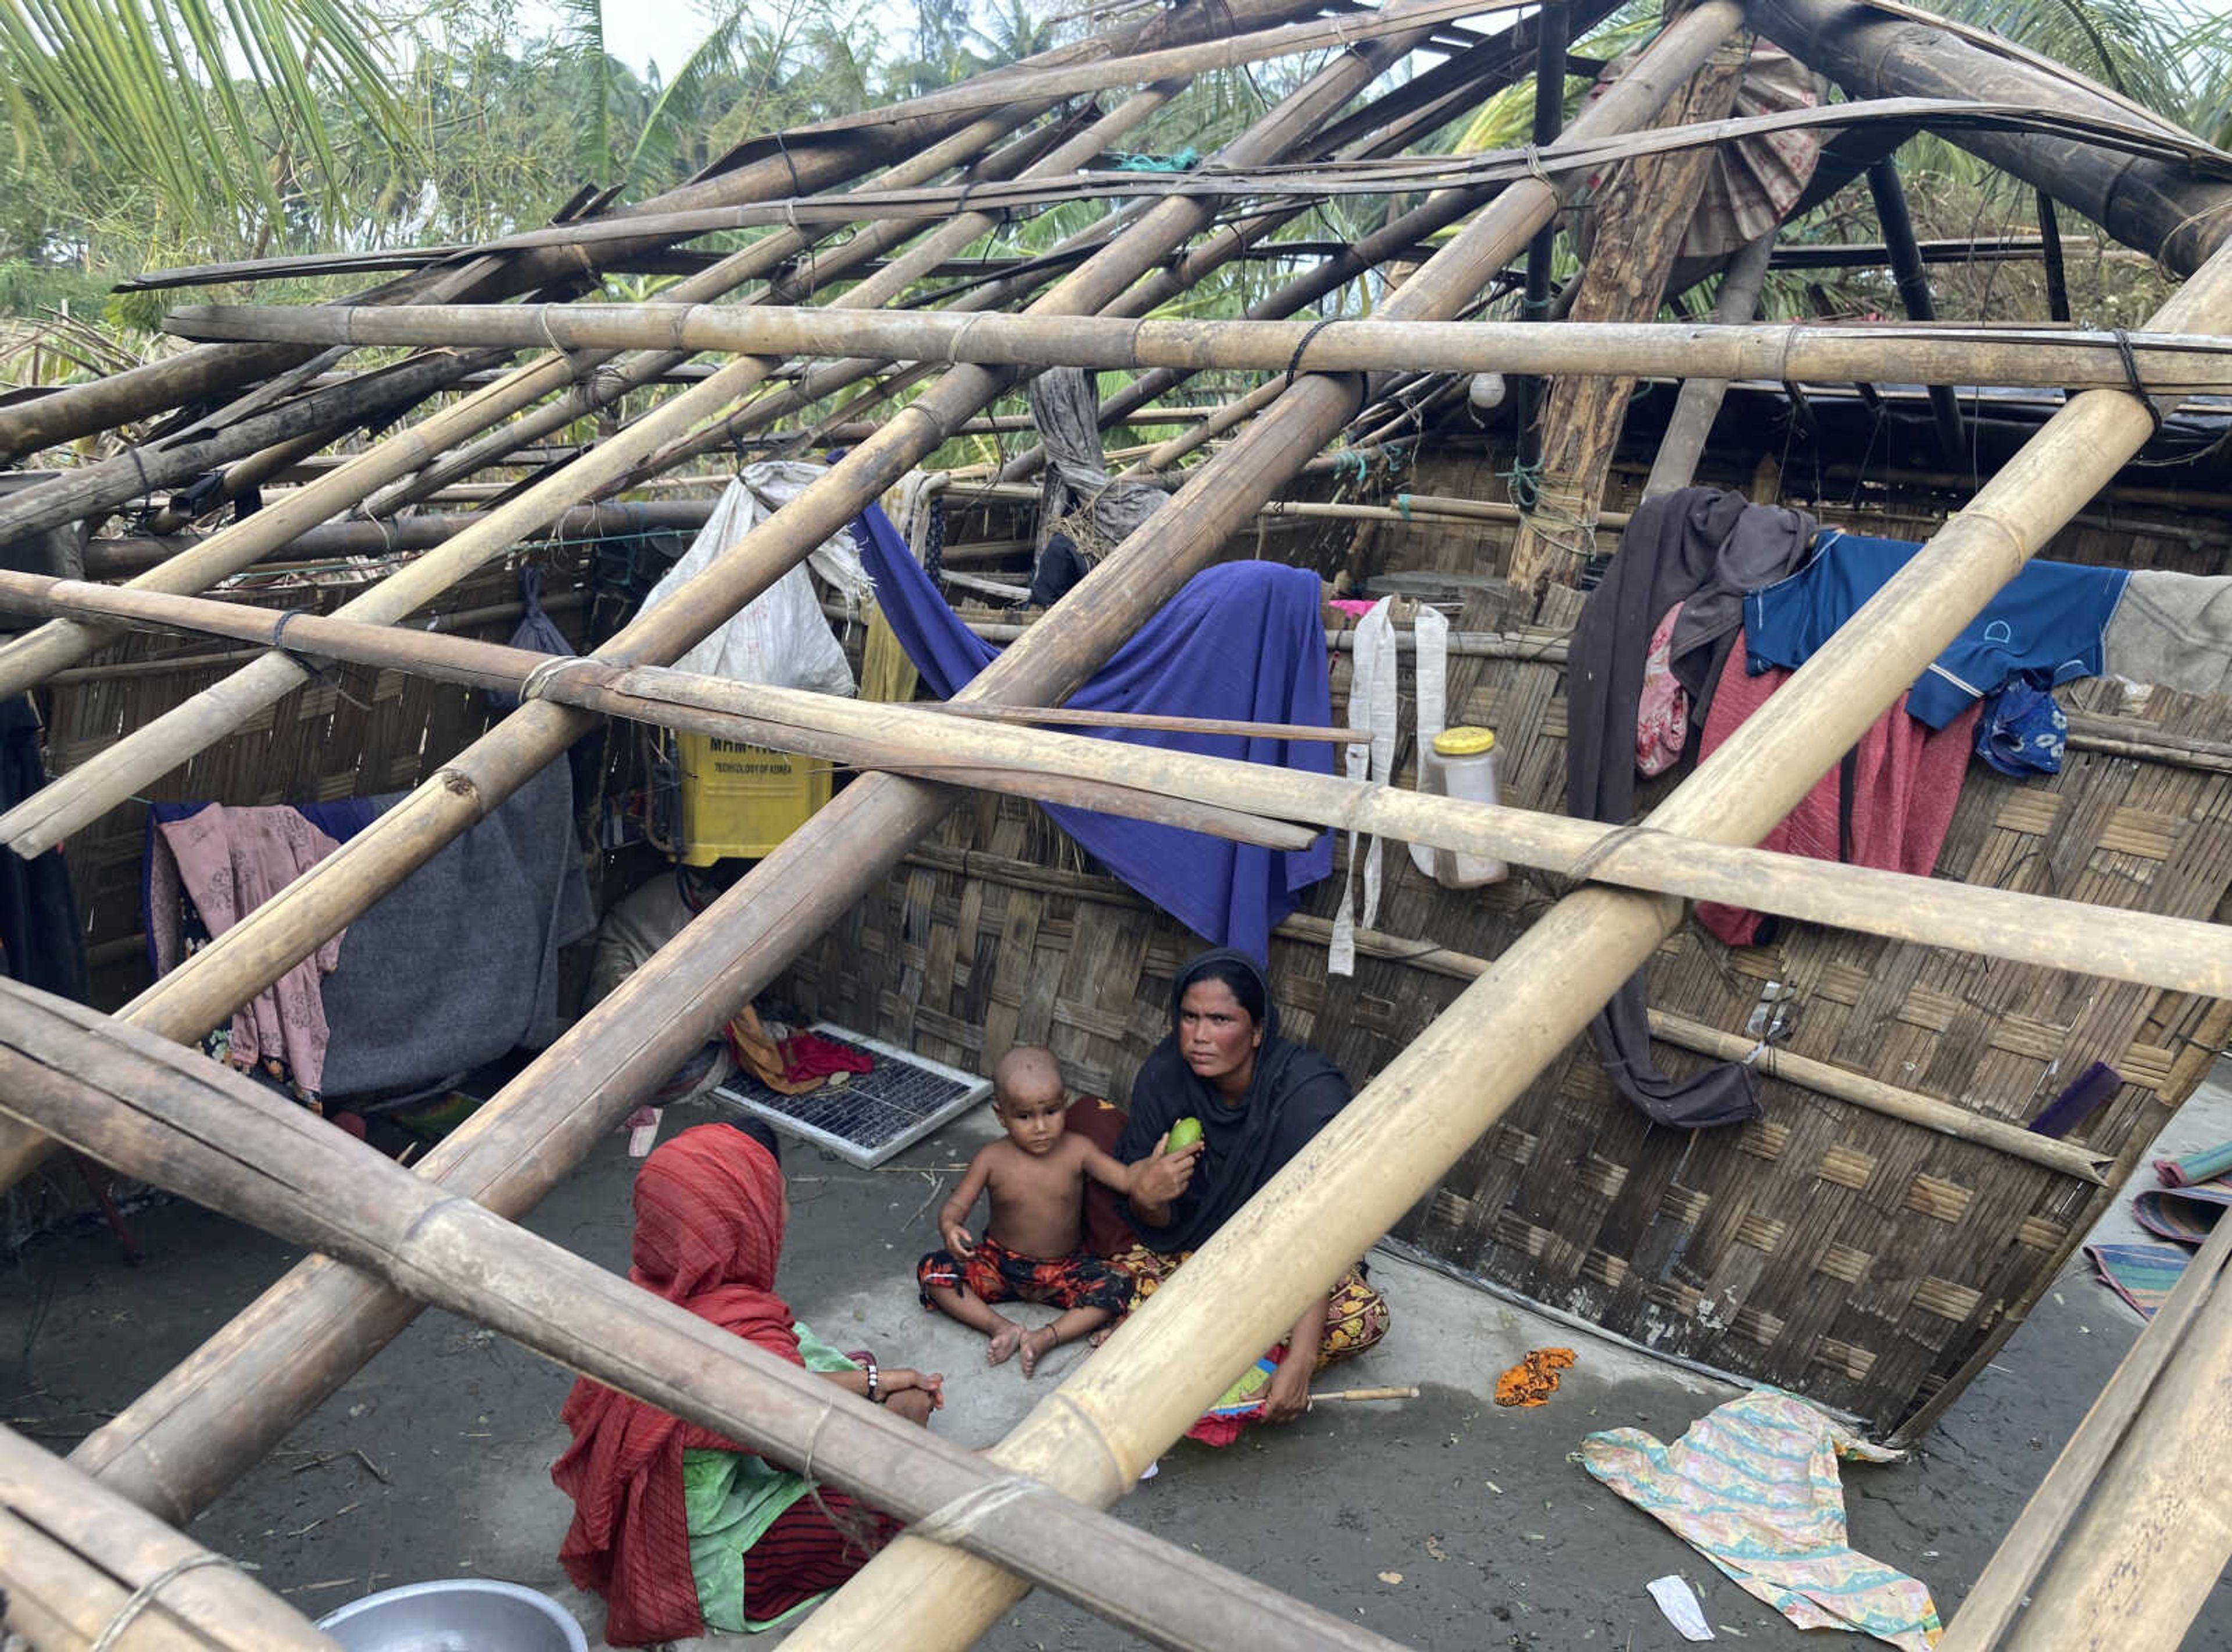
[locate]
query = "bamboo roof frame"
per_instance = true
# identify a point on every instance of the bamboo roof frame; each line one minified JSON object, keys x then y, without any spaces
{"x":1126,"y":1401}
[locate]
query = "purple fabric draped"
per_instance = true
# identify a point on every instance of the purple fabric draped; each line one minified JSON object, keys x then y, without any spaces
{"x":1242,"y":640}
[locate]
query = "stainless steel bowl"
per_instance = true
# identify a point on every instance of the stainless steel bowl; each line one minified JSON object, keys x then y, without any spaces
{"x":456,"y":1615}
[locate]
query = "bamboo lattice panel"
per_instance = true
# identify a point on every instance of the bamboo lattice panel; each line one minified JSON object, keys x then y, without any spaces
{"x":1849,"y":1255}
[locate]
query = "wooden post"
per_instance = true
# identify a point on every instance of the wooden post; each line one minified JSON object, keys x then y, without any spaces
{"x":188,"y":1438}
{"x":72,"y":1554}
{"x":1388,"y":1146}
{"x":1913,"y":283}
{"x":169,"y":1116}
{"x":1641,"y":220}
{"x":1699,"y":403}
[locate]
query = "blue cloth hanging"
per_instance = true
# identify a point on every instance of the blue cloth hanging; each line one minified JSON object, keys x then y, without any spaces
{"x":1242,"y":640}
{"x":2048,"y":620}
{"x":2023,"y":731}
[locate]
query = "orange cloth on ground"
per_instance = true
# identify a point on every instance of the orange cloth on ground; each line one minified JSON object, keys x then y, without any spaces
{"x":1534,"y":1378}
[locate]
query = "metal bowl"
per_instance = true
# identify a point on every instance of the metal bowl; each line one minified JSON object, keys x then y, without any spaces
{"x":456,"y":1615}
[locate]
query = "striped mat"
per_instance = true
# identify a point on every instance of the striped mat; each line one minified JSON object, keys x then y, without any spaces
{"x":2141,"y":1274}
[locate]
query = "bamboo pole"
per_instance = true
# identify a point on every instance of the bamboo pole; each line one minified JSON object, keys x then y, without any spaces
{"x":129,"y":764}
{"x":2008,"y":1577}
{"x":1699,"y":405}
{"x":1823,"y":1078}
{"x":1388,"y":1145}
{"x":27,"y":659}
{"x":184,"y":1440}
{"x":2143,"y":1555}
{"x":153,"y":1110}
{"x":601,"y":380}
{"x":1243,"y":799}
{"x":1233,"y":413}
{"x":1913,"y":283}
{"x":2163,"y":208}
{"x":73,"y":1554}
{"x":1782,"y":350}
{"x":121,"y":557}
{"x":808,"y":159}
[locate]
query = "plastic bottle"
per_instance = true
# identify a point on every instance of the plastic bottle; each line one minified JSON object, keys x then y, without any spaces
{"x":1464,"y":763}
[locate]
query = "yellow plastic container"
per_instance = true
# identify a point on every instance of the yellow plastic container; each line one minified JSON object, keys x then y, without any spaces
{"x":740,"y":801}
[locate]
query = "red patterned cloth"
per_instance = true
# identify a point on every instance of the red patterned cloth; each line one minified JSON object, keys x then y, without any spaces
{"x":709,"y":1215}
{"x":1906,"y":782}
{"x":992,"y":1273}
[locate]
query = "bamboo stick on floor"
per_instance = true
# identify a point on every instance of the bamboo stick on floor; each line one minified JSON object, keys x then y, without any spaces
{"x":28,"y":659}
{"x":170,"y":1116}
{"x":1247,"y":801}
{"x":75,"y":1558}
{"x":1781,"y":351}
{"x":187,"y":1438}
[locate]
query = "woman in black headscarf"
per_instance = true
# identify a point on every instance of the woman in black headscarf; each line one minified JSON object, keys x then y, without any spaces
{"x":1260,"y":1098}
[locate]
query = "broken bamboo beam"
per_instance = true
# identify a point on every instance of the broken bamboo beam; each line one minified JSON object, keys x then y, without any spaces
{"x":1243,"y":800}
{"x":132,"y":762}
{"x":2161,"y":207}
{"x":26,"y":660}
{"x":153,"y":1110}
{"x":188,"y":1438}
{"x":1780,"y":351}
{"x":81,"y":1568}
{"x":1387,"y":1149}
{"x":1675,"y":464}
{"x":808,"y":158}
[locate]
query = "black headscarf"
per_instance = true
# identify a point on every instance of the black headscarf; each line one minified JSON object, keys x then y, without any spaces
{"x":1291,"y":1095}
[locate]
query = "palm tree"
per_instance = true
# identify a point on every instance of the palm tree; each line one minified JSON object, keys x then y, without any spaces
{"x":225,"y":112}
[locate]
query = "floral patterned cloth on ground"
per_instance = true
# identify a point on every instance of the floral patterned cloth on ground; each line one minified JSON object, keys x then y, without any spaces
{"x":1356,"y":1319}
{"x":1753,"y":1487}
{"x":1534,"y":1378}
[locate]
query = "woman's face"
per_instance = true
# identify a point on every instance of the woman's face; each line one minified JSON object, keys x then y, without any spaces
{"x":1217,"y":1037}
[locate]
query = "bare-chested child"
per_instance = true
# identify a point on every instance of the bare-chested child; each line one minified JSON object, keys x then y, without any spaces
{"x":1032,"y":1250}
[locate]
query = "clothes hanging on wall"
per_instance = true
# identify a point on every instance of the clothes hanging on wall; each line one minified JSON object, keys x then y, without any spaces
{"x":1888,"y":804}
{"x":452,"y":967}
{"x":42,"y":942}
{"x":1700,"y":548}
{"x":2049,"y":620}
{"x":1242,"y":640}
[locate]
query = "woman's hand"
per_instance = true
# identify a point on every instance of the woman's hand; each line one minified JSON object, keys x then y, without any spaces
{"x":901,"y":1379}
{"x":1161,"y":1177}
{"x":1288,"y":1394}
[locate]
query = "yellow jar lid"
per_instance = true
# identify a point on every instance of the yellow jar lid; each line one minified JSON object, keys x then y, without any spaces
{"x":1463,"y":742}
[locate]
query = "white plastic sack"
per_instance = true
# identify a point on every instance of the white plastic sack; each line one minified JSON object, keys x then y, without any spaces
{"x":782,"y":638}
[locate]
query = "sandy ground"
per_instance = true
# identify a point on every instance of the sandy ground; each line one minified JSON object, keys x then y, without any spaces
{"x":434,"y":1462}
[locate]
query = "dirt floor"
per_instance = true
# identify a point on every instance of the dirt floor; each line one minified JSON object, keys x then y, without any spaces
{"x":1444,"y":1522}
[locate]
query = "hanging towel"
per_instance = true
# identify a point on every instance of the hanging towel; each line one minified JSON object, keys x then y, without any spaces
{"x":1889,"y":803}
{"x":1372,"y":709}
{"x":2049,"y":620}
{"x":2175,"y":630}
{"x":1240,"y":640}
{"x":1753,"y":1487}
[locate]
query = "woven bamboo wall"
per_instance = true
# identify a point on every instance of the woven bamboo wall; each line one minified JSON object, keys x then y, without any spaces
{"x":355,"y":732}
{"x":1835,"y":1250}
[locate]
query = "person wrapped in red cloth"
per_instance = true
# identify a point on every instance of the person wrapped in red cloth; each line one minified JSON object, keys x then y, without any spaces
{"x":1033,"y":1248}
{"x":681,"y":1530}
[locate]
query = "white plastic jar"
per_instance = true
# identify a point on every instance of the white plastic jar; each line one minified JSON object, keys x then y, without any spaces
{"x":1464,"y":763}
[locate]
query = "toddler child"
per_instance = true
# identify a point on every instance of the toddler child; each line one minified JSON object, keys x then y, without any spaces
{"x":1032,"y":1250}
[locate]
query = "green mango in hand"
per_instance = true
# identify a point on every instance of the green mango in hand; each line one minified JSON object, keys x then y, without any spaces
{"x":1183,"y":1134}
